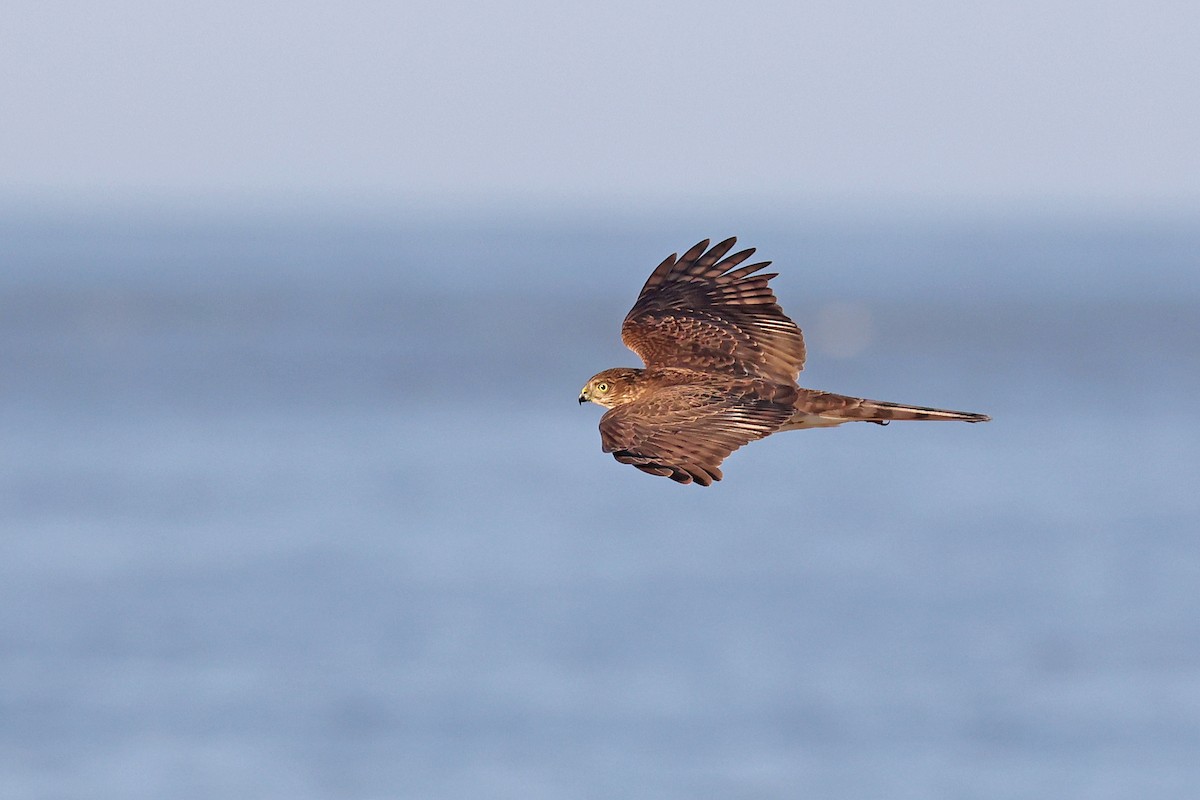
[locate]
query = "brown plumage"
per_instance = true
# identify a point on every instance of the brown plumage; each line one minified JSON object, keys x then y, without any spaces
{"x":722,"y":360}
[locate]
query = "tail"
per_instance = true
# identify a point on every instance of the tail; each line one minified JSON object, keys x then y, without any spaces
{"x":822,"y":409}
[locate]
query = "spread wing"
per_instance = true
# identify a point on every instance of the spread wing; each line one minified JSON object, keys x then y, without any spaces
{"x":685,"y":432}
{"x":704,"y":312}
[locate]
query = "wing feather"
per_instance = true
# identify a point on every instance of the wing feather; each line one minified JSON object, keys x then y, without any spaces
{"x":704,"y":311}
{"x":684,"y":432}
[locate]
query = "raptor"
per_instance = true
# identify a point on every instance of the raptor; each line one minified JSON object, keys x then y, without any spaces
{"x":722,"y":364}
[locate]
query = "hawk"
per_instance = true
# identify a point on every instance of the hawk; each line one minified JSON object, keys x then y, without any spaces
{"x":722,"y":362}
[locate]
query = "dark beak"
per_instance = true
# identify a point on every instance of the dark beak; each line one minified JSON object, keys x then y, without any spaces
{"x":582,"y":399}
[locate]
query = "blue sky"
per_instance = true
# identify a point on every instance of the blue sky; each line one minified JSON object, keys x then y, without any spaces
{"x":620,"y":103}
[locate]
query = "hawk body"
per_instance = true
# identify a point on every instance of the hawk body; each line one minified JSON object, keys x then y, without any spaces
{"x":722,"y":360}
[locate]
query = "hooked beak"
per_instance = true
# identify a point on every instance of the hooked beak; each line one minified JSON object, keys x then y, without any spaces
{"x":583,"y":397}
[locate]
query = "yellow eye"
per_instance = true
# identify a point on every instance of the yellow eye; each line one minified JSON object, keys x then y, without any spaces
{"x":601,"y":387}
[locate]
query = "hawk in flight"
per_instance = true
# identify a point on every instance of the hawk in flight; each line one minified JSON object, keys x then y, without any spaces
{"x":722,"y":361}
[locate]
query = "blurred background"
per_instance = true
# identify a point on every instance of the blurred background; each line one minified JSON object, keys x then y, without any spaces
{"x":296,"y":500}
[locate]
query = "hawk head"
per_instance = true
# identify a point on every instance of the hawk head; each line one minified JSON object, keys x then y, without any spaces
{"x":612,"y":387}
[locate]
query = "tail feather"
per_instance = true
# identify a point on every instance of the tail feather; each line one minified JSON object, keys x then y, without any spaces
{"x":823,"y":409}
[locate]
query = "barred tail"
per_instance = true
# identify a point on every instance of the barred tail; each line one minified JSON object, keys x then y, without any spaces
{"x":822,"y":409}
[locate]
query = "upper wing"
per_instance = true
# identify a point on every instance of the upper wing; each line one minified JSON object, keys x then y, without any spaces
{"x":702,"y":313}
{"x":685,"y":432}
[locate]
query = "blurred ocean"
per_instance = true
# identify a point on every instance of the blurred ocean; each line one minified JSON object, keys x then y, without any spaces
{"x":294,"y":507}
